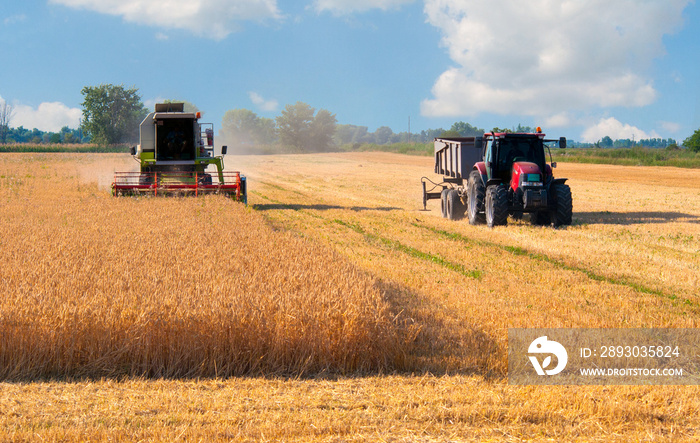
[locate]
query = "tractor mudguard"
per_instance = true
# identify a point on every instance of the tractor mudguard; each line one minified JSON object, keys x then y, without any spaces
{"x":555,"y":181}
{"x":481,"y":167}
{"x":551,"y":190}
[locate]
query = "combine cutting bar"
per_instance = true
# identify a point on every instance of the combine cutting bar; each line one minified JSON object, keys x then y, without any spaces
{"x":179,"y":183}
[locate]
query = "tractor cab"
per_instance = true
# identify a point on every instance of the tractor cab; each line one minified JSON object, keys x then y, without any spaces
{"x":503,"y":152}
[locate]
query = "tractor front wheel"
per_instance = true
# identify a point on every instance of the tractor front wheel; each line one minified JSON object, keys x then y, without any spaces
{"x":564,"y":205}
{"x":496,"y":206}
{"x":476,"y":193}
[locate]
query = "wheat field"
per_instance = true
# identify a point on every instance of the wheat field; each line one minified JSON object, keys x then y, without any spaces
{"x":428,"y":302}
{"x":96,"y":286}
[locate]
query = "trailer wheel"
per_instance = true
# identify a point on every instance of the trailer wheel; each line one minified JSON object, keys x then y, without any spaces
{"x":455,"y":208}
{"x":496,"y":206}
{"x":564,"y":205}
{"x":443,"y":203}
{"x":476,"y":193}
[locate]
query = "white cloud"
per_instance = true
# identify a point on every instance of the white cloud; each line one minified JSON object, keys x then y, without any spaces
{"x":260,"y":102}
{"x":670,"y":126}
{"x":546,"y":57}
{"x":339,"y":7}
{"x":48,"y":116}
{"x":207,"y":18}
{"x":615,"y":129}
{"x":558,"y":120}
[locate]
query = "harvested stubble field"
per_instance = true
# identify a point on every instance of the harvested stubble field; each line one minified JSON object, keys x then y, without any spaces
{"x":333,"y":271}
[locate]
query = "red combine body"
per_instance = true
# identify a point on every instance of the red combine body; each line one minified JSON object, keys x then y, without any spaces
{"x":498,"y":175}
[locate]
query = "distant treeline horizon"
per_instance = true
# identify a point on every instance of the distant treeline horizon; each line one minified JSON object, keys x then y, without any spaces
{"x":346,"y":134}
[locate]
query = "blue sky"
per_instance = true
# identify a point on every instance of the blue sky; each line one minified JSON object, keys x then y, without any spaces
{"x":579,"y":68}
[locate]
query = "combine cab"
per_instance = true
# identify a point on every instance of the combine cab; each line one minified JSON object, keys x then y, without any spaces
{"x":174,"y":154}
{"x":498,"y":175}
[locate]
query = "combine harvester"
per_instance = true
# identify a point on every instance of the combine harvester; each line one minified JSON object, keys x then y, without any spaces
{"x":497,"y":175}
{"x":174,"y":153}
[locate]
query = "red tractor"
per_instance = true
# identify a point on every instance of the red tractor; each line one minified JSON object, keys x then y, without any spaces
{"x":505,"y":174}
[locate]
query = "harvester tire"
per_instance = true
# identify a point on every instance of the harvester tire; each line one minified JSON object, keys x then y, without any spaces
{"x":496,"y":206}
{"x":476,"y":193}
{"x":564,"y":205}
{"x":455,"y":208}
{"x":443,"y":203}
{"x":206,"y":180}
{"x":145,"y":179}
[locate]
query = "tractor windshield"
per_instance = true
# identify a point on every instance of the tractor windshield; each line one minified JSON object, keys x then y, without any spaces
{"x":525,"y":149}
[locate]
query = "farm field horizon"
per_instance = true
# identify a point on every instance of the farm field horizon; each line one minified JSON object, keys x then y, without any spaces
{"x":444,"y":294}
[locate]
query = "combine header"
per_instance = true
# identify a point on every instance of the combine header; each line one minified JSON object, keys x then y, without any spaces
{"x":498,"y":175}
{"x":174,"y":153}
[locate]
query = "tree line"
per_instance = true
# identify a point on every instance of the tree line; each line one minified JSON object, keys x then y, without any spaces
{"x":35,"y":136}
{"x":112,"y":114}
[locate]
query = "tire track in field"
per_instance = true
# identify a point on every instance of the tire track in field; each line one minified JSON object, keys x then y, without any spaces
{"x":457,"y":267}
{"x":386,"y":242}
{"x":537,"y":256}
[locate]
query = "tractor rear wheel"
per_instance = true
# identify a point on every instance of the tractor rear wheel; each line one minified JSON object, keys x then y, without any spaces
{"x":564,"y":205}
{"x":443,"y":203}
{"x":476,"y":193}
{"x":455,"y":208}
{"x":496,"y":206}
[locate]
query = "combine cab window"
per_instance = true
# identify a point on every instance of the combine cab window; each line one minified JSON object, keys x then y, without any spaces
{"x":175,"y":140}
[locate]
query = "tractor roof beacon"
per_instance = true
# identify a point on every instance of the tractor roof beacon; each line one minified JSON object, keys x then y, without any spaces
{"x":497,"y":175}
{"x":174,"y":153}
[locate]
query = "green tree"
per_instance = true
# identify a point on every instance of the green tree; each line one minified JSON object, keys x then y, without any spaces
{"x":267,"y":131}
{"x":450,"y":134}
{"x":466,"y":130}
{"x":383,"y":134}
{"x":112,"y":114}
{"x":299,"y":128}
{"x":502,"y":130}
{"x":322,"y":130}
{"x":239,"y":126}
{"x":606,"y":142}
{"x":693,"y":142}
{"x":6,"y":114}
{"x":243,"y":127}
{"x":525,"y":129}
{"x":294,"y":125}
